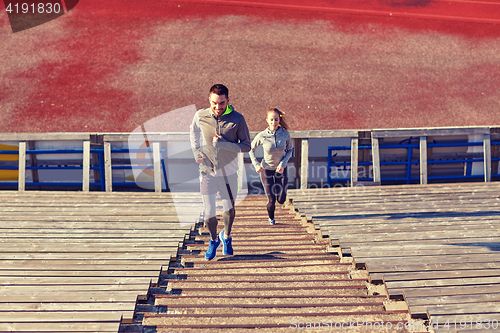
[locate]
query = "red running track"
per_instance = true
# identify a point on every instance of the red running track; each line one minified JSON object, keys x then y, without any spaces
{"x":453,"y":10}
{"x":110,"y":66}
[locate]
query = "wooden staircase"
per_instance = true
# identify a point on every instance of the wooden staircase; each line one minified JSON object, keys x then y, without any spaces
{"x":281,"y":277}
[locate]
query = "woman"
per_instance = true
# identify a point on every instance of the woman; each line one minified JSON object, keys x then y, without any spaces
{"x":278,"y":149}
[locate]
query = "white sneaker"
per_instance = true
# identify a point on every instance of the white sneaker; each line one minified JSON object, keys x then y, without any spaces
{"x":271,"y":222}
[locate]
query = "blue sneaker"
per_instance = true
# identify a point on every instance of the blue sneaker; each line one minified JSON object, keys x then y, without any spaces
{"x":227,"y":250}
{"x":212,"y":249}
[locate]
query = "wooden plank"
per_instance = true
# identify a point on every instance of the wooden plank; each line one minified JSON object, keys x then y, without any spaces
{"x":353,"y":243}
{"x":354,"y":160}
{"x":324,"y":195}
{"x":375,"y":254}
{"x":82,"y":201}
{"x":64,"y":316}
{"x":55,"y":268}
{"x":110,"y":195}
{"x":44,"y":136}
{"x":495,"y":149}
{"x":297,"y":154}
{"x":96,"y":143}
{"x":66,"y":306}
{"x":54,"y":214}
{"x":376,"y":160}
{"x":34,"y":162}
{"x":450,"y":291}
{"x":22,"y":167}
{"x":342,"y":200}
{"x":75,"y":206}
{"x":477,"y":257}
{"x":86,"y":166}
{"x":459,"y":302}
{"x":75,"y":272}
{"x":425,"y":211}
{"x":398,"y":213}
{"x":115,"y":263}
{"x":487,"y":157}
{"x":53,"y":248}
{"x":86,"y":256}
{"x":467,"y":329}
{"x":465,"y":319}
{"x":127,"y":234}
{"x":240,"y":174}
{"x":413,"y":203}
{"x":16,"y":290}
{"x":48,"y":282}
{"x":395,"y":189}
{"x":423,"y":159}
{"x":430,"y":155}
{"x":477,"y":308}
{"x":413,"y":206}
{"x":150,"y":136}
{"x":452,"y":299}
{"x":304,"y":163}
{"x":63,"y":327}
{"x":84,"y":233}
{"x":318,"y":134}
{"x":157,"y":166}
{"x":403,"y":267}
{"x":158,"y":208}
{"x":108,"y":173}
{"x":418,"y":132}
{"x":432,"y":275}
{"x":494,"y":280}
{"x":89,"y":296}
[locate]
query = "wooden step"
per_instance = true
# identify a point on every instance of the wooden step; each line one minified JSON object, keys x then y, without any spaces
{"x":173,"y":301}
{"x":270,"y":318}
{"x":340,"y":290}
{"x":271,"y":309}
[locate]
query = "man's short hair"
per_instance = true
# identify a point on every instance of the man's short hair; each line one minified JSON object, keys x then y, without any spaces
{"x":219,"y":89}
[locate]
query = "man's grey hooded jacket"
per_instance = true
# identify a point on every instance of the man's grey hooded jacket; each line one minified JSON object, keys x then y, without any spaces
{"x":235,"y":139}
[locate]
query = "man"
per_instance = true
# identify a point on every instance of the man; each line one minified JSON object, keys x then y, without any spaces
{"x":217,"y":135}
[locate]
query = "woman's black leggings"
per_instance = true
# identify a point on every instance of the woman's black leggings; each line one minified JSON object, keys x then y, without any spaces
{"x":275,"y":187}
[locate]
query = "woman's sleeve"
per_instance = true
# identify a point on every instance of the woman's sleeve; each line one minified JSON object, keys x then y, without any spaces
{"x":255,"y":143}
{"x":288,"y":151}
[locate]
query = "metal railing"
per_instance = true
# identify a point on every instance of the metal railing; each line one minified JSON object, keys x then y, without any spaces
{"x":409,"y":161}
{"x":100,"y":167}
{"x":101,"y":152}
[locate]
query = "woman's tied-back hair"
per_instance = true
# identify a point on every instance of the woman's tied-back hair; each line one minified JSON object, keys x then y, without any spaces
{"x":219,"y":89}
{"x":281,"y":114}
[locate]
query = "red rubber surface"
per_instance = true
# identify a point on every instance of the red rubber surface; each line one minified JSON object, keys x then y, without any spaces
{"x":110,"y":66}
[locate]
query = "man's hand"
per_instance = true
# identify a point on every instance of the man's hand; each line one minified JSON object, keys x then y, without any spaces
{"x":280,"y":169}
{"x":259,"y":169}
{"x":216,"y":137}
{"x":200,"y":158}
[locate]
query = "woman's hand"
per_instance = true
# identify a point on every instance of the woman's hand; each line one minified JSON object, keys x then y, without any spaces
{"x":280,"y":169}
{"x":259,"y":169}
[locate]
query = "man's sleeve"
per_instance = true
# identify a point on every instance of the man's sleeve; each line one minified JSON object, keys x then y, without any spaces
{"x":243,"y":137}
{"x":195,"y":136}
